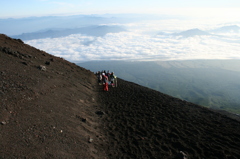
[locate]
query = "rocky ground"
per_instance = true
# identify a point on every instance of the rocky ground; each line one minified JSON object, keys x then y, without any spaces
{"x":143,"y":123}
{"x":51,"y":108}
{"x":48,"y":106}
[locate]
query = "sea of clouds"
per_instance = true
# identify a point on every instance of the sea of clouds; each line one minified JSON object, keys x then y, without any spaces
{"x":142,"y":42}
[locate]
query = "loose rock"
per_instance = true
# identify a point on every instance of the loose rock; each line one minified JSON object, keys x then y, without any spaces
{"x":24,"y":63}
{"x":90,"y":140}
{"x":42,"y":68}
{"x":3,"y":122}
{"x":99,"y":112}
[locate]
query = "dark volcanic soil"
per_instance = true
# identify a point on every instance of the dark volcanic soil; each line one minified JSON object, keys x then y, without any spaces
{"x":56,"y":113}
{"x":46,"y":114}
{"x":143,"y":123}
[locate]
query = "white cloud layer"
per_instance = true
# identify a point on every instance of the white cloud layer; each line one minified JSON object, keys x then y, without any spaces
{"x":135,"y":45}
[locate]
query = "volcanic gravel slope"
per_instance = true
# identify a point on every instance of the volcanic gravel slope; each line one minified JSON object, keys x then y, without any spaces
{"x":46,"y":112}
{"x":51,"y":108}
{"x":143,"y":123}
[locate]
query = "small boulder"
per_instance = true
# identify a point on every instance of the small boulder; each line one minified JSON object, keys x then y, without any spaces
{"x":90,"y":140}
{"x":3,"y":122}
{"x":84,"y":120}
{"x":24,"y":63}
{"x":99,"y":112}
{"x":42,"y":68}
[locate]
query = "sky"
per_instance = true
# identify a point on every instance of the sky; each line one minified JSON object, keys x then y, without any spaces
{"x":135,"y":44}
{"x":26,"y":8}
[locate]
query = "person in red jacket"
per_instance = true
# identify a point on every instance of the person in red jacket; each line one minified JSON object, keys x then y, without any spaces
{"x":105,"y":82}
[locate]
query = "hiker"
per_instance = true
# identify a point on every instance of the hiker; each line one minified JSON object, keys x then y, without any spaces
{"x":115,"y":80}
{"x":108,"y":74}
{"x":99,"y":76}
{"x":112,"y":79}
{"x":105,"y":82}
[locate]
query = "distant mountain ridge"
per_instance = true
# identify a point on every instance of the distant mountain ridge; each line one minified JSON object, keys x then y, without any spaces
{"x":198,"y":32}
{"x":227,"y":29}
{"x":53,"y":33}
{"x":12,"y":26}
{"x":192,"y":32}
{"x":32,"y":24}
{"x":186,"y":33}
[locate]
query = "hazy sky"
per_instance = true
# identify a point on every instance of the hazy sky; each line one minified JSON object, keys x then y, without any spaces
{"x":25,"y":8}
{"x":134,"y":45}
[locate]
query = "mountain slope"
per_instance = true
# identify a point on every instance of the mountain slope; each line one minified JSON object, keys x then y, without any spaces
{"x":143,"y":123}
{"x":42,"y":111}
{"x":52,"y":114}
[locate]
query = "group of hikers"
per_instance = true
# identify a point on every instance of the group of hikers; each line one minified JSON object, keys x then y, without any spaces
{"x":106,"y":79}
